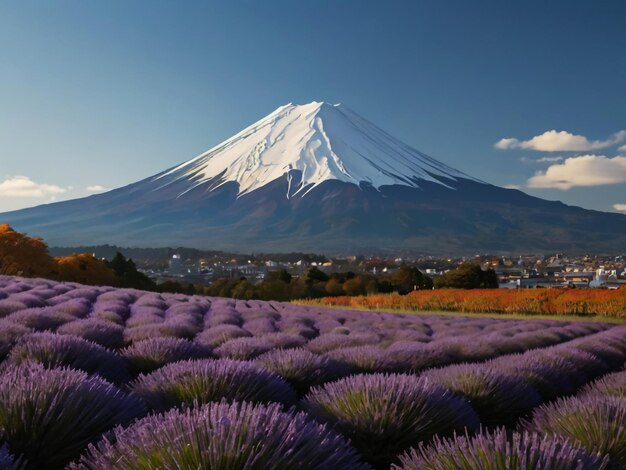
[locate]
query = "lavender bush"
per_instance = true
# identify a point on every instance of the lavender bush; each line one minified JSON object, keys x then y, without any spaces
{"x":53,"y":350}
{"x":301,"y":368}
{"x":218,"y":335}
{"x":47,"y":416}
{"x":40,"y":319}
{"x":9,"y":334}
{"x":499,"y":451}
{"x":148,"y":355}
{"x":383,"y":415}
{"x":594,"y":422}
{"x":209,"y":380}
{"x":244,"y":348}
{"x":609,"y":385}
{"x":498,"y":398}
{"x":368,"y":359}
{"x":105,"y":333}
{"x":328,"y":342}
{"x":225,"y":437}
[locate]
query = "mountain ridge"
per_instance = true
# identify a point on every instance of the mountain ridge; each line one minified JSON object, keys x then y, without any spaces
{"x":321,"y":140}
{"x":264,"y":205}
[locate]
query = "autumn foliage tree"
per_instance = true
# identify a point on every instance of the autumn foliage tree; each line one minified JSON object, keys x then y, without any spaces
{"x":21,"y":255}
{"x":86,"y":269}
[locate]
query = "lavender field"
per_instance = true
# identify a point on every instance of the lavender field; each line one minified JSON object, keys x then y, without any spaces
{"x":104,"y":378}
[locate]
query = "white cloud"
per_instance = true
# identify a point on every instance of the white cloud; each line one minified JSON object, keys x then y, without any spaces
{"x":513,"y":186}
{"x":586,"y":170}
{"x":622,"y":148}
{"x":96,"y":188}
{"x":620,"y":207}
{"x":550,"y":159}
{"x":23,"y":186}
{"x":560,"y":141}
{"x":509,"y":143}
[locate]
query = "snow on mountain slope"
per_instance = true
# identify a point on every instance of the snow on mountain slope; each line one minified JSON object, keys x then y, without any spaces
{"x":323,"y":142}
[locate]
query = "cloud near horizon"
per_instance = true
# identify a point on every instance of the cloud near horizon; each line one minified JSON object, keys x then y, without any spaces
{"x":96,"y":188}
{"x":24,"y":187}
{"x":561,"y":141}
{"x":620,"y":207}
{"x":585,"y":170}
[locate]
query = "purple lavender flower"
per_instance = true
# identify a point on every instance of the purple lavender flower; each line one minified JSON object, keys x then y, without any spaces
{"x":77,"y":307}
{"x":150,"y":354}
{"x":300,"y":368}
{"x":40,"y":319}
{"x":226,"y":437}
{"x":368,"y":359}
{"x":498,"y":398}
{"x":384,"y":415}
{"x":551,"y":378}
{"x":145,"y":316}
{"x":499,"y":451}
{"x":48,"y":416}
{"x":209,"y":380}
{"x":594,"y":422}
{"x":9,"y":334}
{"x":53,"y":350}
{"x":328,"y":342}
{"x":608,"y":385}
{"x":285,"y":340}
{"x":149,"y":300}
{"x":219,"y":334}
{"x":244,"y":348}
{"x":260,"y":326}
{"x":9,"y":306}
{"x":103,"y":332}
{"x":28,"y":299}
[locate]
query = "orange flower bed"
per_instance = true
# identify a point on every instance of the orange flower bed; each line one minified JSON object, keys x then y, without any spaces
{"x":519,"y":301}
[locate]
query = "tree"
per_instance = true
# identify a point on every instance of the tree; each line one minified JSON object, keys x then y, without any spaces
{"x":126,"y":271}
{"x":21,"y":255}
{"x":86,"y":269}
{"x":354,"y":286}
{"x":279,"y":275}
{"x":314,"y":275}
{"x":243,"y":290}
{"x":334,"y":287}
{"x":468,"y":276}
{"x":407,"y":278}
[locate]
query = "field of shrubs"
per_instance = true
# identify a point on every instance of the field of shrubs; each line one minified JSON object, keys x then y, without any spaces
{"x":583,"y":302}
{"x":105,"y":378}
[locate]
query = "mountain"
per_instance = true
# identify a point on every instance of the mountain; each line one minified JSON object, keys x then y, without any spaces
{"x":320,"y":178}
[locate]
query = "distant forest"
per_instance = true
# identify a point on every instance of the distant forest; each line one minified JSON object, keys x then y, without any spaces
{"x":161,"y":256}
{"x":22,"y":255}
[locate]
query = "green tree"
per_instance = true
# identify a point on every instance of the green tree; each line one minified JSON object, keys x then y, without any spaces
{"x":126,"y":271}
{"x":407,"y":278}
{"x":279,"y":275}
{"x":468,"y":276}
{"x":314,"y":275}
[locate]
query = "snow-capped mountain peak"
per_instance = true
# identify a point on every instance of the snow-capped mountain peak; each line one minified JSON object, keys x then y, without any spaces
{"x":322,"y":141}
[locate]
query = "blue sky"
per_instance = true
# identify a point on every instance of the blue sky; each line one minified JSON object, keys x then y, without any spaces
{"x":100,"y":94}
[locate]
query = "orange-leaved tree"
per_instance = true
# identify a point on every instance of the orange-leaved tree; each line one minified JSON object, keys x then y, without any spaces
{"x":21,"y":255}
{"x":86,"y":269}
